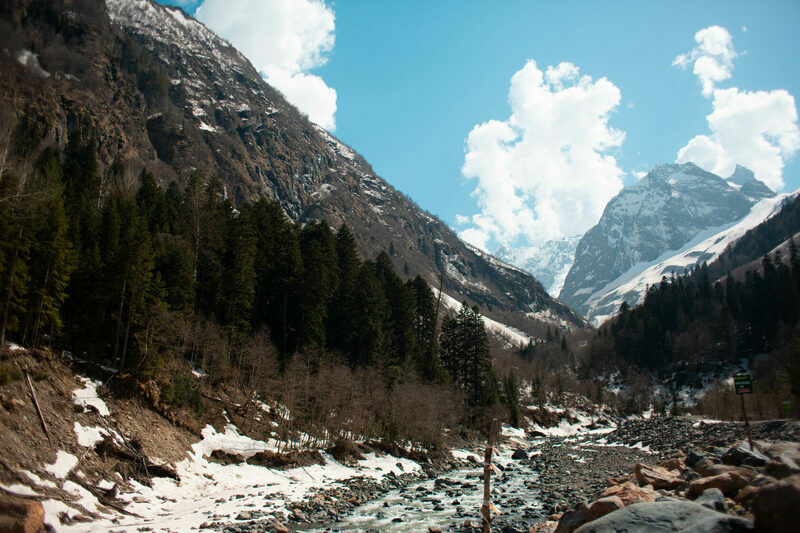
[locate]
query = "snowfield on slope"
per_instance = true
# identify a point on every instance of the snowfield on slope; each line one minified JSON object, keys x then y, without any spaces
{"x":512,"y":336}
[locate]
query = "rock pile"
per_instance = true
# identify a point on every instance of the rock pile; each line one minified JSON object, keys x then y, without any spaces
{"x":666,"y":434}
{"x":721,"y":489}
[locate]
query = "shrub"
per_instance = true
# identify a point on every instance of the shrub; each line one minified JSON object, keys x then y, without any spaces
{"x":182,"y":392}
{"x":9,"y":374}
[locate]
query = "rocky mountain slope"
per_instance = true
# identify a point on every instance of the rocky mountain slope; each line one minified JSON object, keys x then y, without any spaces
{"x":676,"y":216}
{"x":161,"y":91}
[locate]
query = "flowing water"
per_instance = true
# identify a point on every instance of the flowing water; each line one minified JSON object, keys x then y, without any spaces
{"x":449,"y":500}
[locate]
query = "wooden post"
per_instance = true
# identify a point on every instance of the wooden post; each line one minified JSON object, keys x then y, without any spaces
{"x":747,"y":423}
{"x":486,"y":512}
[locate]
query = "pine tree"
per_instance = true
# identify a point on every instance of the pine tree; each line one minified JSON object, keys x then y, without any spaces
{"x":51,"y":258}
{"x":428,"y":362}
{"x":239,"y":276}
{"x":15,"y":244}
{"x":465,"y":354}
{"x":319,"y":280}
{"x":371,"y":343}
{"x":401,"y":311}
{"x":344,"y":305}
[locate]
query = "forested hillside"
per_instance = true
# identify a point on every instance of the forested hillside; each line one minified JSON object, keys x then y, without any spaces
{"x":689,"y":330}
{"x":156,"y":282}
{"x":759,"y":240}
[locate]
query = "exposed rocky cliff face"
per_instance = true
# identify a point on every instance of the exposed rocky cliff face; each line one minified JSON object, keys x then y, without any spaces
{"x":161,"y":91}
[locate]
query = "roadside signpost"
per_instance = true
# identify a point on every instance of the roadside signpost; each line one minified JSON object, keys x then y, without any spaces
{"x":743,"y":384}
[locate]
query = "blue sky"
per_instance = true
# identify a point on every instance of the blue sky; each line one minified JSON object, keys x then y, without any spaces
{"x":412,"y":79}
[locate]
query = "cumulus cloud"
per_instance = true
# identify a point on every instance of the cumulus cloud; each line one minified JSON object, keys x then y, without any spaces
{"x":755,"y":129}
{"x":546,"y":172}
{"x":284,"y":39}
{"x":712,"y":57}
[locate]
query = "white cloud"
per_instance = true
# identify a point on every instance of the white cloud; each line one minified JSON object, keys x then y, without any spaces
{"x":712,"y":57}
{"x":545,"y":172}
{"x":755,"y":129}
{"x":284,"y":39}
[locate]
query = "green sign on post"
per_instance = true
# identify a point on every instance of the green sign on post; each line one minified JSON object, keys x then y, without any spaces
{"x":743,"y":384}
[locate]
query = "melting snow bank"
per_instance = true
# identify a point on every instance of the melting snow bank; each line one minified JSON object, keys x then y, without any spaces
{"x":210,"y":492}
{"x":87,"y":397}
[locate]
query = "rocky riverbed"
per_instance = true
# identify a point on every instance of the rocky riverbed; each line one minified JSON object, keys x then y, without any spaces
{"x":538,"y":478}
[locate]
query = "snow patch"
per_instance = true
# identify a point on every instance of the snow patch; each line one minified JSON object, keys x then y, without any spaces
{"x":64,"y":463}
{"x":37,"y":480}
{"x":19,"y":489}
{"x":87,"y":397}
{"x":89,"y":436}
{"x":29,"y":60}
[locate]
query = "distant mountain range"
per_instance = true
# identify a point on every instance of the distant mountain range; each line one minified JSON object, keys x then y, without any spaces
{"x":548,"y":263}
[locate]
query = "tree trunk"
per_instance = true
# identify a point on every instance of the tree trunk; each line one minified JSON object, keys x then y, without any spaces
{"x":119,"y":318}
{"x":7,"y":302}
{"x":38,"y":317}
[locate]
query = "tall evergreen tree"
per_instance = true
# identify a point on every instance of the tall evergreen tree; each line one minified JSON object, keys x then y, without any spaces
{"x":51,"y":259}
{"x":319,"y":280}
{"x":344,"y":305}
{"x":428,"y":361}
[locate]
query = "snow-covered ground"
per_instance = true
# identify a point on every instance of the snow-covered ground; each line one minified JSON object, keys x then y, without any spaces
{"x":205,"y":490}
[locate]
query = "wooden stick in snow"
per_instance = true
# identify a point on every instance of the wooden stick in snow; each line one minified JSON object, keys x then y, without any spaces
{"x":486,"y":512}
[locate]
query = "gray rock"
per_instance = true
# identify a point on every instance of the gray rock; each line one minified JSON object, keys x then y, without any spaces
{"x":741,"y":454}
{"x":681,"y":517}
{"x":693,"y":458}
{"x":713,"y":499}
{"x":519,"y":454}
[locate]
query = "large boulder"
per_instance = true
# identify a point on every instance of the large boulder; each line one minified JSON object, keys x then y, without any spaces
{"x":785,"y":458}
{"x":658,"y":477}
{"x":671,"y":516}
{"x":711,"y":467}
{"x":629,"y":493}
{"x":603,"y":506}
{"x":676,"y":463}
{"x":573,"y":519}
{"x":775,"y":506}
{"x":729,"y":483}
{"x":20,"y":516}
{"x":741,"y":454}
{"x":519,"y":454}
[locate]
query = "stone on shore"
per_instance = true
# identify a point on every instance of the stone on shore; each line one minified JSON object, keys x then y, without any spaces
{"x":629,"y":493}
{"x":775,"y":506}
{"x":672,"y":516}
{"x":658,"y":477}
